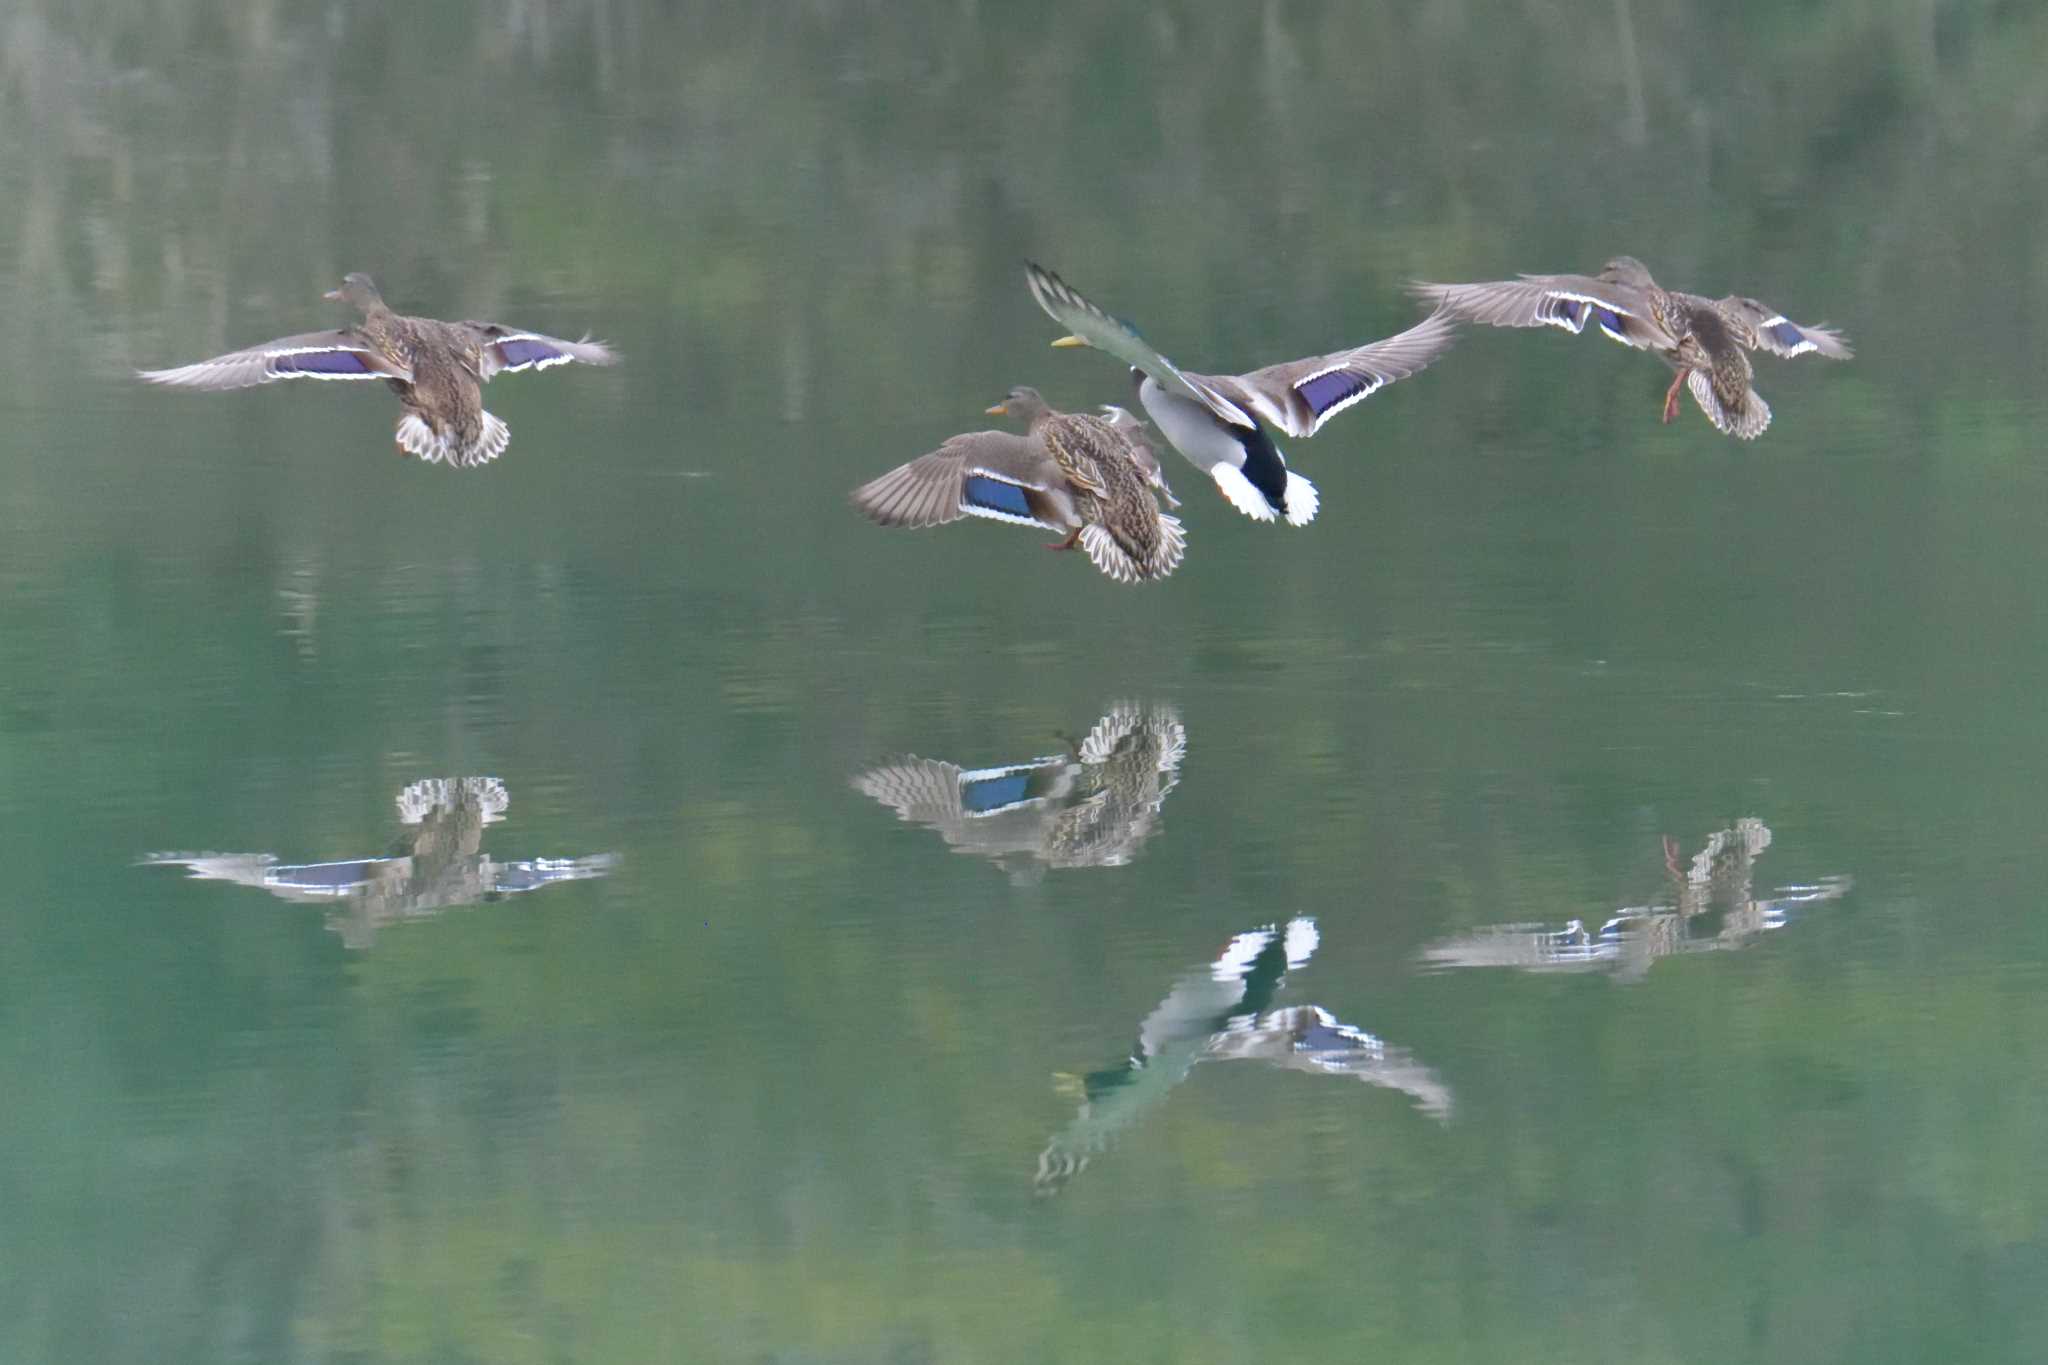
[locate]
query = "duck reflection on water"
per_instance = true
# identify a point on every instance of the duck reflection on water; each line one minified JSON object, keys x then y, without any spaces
{"x":1224,"y":1012}
{"x":444,"y":867}
{"x":1711,"y":905}
{"x":1092,"y":806}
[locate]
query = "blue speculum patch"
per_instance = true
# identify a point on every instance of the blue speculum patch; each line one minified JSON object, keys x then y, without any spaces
{"x":993,"y":793}
{"x":1609,"y":320}
{"x":1325,"y":391}
{"x":525,"y":351}
{"x":324,"y":876}
{"x":322,"y":362}
{"x":980,"y":490}
{"x":1786,"y":334}
{"x":1571,"y":310}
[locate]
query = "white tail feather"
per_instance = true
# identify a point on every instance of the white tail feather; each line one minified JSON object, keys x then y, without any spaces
{"x":1107,"y":554}
{"x":1750,"y":424}
{"x":1173,"y":546}
{"x":1114,"y":560}
{"x":1239,"y":490}
{"x":421,"y":441}
{"x":491,"y":444}
{"x":1302,"y":500}
{"x":1301,"y":940}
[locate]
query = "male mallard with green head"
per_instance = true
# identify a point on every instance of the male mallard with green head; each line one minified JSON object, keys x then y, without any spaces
{"x":1707,"y":341}
{"x":1221,"y":422}
{"x":437,"y":369}
{"x":1068,"y":472}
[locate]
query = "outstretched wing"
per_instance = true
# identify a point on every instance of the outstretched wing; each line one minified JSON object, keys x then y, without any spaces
{"x":1770,"y":330}
{"x":1300,"y":395}
{"x":996,"y":474}
{"x":1567,"y":301}
{"x":509,"y":349}
{"x":1105,"y":333}
{"x":339,"y":354}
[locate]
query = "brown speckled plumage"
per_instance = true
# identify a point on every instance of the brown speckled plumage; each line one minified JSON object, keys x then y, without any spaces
{"x":1111,"y":494}
{"x":1706,"y":341}
{"x":1076,"y":474}
{"x":437,"y":369}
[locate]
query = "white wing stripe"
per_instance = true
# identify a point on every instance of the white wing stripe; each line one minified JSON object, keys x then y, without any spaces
{"x":1577,"y":297}
{"x":976,"y":510}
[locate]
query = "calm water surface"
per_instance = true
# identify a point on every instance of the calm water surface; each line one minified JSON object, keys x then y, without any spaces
{"x":1579,"y":900}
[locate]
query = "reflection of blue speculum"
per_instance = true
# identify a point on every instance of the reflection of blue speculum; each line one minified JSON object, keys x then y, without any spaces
{"x":444,"y":869}
{"x":1224,"y":1012}
{"x":1090,"y":807}
{"x":1711,"y":904}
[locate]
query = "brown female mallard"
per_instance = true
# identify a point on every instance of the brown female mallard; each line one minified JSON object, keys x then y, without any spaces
{"x":437,"y":369}
{"x":1707,"y":341}
{"x":1093,"y":805}
{"x":1068,"y":472}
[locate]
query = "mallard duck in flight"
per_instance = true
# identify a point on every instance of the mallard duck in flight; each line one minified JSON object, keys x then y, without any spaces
{"x":1069,"y":472}
{"x":1706,"y":341}
{"x":437,"y":369}
{"x":1220,"y":422}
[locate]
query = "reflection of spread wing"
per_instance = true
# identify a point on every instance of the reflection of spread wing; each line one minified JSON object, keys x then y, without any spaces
{"x":989,"y":812}
{"x":1309,"y":1038}
{"x":446,"y":817}
{"x":506,"y":879}
{"x":287,"y":881}
{"x":922,"y":791}
{"x":1632,"y":939}
{"x":1532,"y":947}
{"x":243,"y":869}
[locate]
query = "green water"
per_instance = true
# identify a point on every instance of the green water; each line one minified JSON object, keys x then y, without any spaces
{"x":783,"y":1077}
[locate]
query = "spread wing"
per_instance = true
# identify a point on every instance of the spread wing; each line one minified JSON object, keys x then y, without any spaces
{"x":510,"y":349}
{"x":1083,"y":319}
{"x":995,"y":474}
{"x":989,"y":811}
{"x":1769,"y":330}
{"x":1300,"y":395}
{"x":339,"y":354}
{"x":1567,"y":301}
